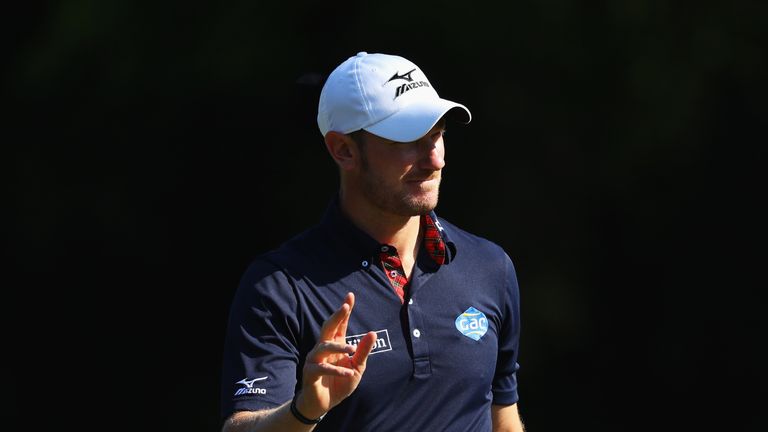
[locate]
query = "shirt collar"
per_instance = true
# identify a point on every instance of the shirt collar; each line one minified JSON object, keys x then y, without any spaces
{"x":341,"y":227}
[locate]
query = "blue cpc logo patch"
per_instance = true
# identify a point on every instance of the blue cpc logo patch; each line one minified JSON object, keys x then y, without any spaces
{"x":472,"y":323}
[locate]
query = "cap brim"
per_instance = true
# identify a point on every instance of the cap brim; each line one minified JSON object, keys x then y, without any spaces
{"x":415,"y":120}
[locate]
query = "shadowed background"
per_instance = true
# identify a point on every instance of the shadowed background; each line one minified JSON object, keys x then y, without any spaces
{"x":616,"y":153}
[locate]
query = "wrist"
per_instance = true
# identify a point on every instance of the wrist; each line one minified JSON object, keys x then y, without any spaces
{"x":305,"y":412}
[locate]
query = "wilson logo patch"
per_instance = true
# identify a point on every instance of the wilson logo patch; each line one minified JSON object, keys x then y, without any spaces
{"x":472,"y":323}
{"x":382,"y":341}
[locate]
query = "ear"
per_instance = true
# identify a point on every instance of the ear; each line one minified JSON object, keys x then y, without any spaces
{"x":343,"y":150}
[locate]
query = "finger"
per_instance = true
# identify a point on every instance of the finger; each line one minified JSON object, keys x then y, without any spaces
{"x":331,"y":325}
{"x":325,"y":349}
{"x":363,"y":350}
{"x":341,"y":332}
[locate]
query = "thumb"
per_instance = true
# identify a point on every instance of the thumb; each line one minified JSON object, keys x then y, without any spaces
{"x":363,"y":350}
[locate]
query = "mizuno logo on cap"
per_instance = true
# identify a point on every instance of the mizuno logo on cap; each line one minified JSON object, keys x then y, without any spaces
{"x":408,"y":85}
{"x":406,"y":76}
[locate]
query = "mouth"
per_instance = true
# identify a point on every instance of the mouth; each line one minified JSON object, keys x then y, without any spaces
{"x":424,"y":178}
{"x":424,"y":181}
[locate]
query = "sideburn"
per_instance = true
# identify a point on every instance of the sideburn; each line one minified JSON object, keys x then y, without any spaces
{"x":359,"y":138}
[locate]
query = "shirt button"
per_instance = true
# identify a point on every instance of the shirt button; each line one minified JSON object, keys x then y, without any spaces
{"x":416,"y":333}
{"x":365,"y":263}
{"x":384,"y":248}
{"x":393,"y":273}
{"x":410,"y":301}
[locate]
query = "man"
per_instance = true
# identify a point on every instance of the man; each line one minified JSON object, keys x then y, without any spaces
{"x":383,"y":317}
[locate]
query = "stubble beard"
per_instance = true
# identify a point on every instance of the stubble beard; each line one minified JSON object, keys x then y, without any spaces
{"x":400,"y":202}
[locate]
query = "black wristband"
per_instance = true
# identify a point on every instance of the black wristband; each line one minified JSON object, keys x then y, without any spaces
{"x":300,"y":417}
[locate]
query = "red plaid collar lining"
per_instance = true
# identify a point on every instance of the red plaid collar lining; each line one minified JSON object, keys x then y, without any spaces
{"x":393,"y":267}
{"x":433,"y":240}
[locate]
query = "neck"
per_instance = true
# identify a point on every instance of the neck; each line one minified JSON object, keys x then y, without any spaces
{"x":402,"y":232}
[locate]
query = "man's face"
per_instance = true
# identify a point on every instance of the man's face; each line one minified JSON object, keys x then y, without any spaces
{"x":403,"y":178}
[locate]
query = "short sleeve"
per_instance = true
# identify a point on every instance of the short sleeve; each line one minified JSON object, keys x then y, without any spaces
{"x":504,"y":386}
{"x":261,"y":344}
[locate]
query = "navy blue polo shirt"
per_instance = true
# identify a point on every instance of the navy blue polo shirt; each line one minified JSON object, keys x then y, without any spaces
{"x":442,"y":356}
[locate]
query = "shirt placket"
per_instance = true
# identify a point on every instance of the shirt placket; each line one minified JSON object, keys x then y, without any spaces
{"x":393,"y":269}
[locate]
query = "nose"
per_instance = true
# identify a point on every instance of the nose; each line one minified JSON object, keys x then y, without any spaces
{"x":433,"y":158}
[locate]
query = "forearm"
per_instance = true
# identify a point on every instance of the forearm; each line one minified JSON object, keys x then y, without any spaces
{"x":279,"y":419}
{"x":506,"y":418}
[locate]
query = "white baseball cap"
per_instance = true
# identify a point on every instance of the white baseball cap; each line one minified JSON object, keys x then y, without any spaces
{"x":386,"y":95}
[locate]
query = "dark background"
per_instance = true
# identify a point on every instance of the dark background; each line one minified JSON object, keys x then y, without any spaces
{"x":616,"y":153}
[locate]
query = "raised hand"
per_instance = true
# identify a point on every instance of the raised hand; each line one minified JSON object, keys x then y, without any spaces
{"x":331,"y":372}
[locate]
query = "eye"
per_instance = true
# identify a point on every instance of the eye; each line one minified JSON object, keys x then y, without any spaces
{"x":437,"y":134}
